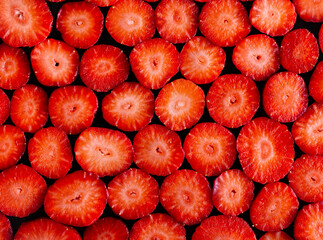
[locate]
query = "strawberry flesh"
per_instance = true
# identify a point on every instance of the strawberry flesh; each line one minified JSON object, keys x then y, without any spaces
{"x":315,"y":85}
{"x":279,"y":235}
{"x":4,"y":107}
{"x":309,"y":10}
{"x":5,"y":227}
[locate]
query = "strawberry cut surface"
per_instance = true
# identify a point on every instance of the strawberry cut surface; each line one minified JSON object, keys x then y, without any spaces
{"x":5,"y":227}
{"x":315,"y":86}
{"x":279,"y":235}
{"x":4,"y":107}
{"x":309,"y":10}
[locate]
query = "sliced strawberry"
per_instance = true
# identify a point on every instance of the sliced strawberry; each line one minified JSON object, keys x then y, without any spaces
{"x":77,"y":199}
{"x":129,"y":107}
{"x":177,"y":20}
{"x":102,"y":3}
{"x":158,"y":150}
{"x":315,"y":86}
{"x":133,"y":194}
{"x":176,"y":106}
{"x":266,"y":150}
{"x":157,"y":226}
{"x":233,"y":100}
{"x":4,"y":107}
{"x":5,"y":228}
{"x":321,"y":38}
{"x":72,"y":108}
{"x":103,"y":67}
{"x":257,"y":56}
{"x":80,"y":23}
{"x":103,"y":151}
{"x":285,"y":97}
{"x":187,"y":196}
{"x":154,"y":62}
{"x":280,"y":235}
{"x":50,"y":152}
{"x":28,"y":109}
{"x":201,"y":61}
{"x":130,"y":22}
{"x":54,"y":63}
{"x":309,"y":10}
{"x":224,"y":22}
{"x":299,"y":51}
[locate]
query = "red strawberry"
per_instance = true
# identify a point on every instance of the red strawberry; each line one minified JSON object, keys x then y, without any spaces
{"x":129,"y":107}
{"x":309,"y":10}
{"x":177,"y":20}
{"x":157,"y":226}
{"x":80,"y":24}
{"x":224,"y":22}
{"x":103,"y":151}
{"x":5,"y":228}
{"x":50,"y":152}
{"x":233,"y":100}
{"x":280,"y":235}
{"x":321,"y":38}
{"x":77,"y":199}
{"x":186,"y":195}
{"x":102,"y":3}
{"x":201,"y":61}
{"x":55,"y":0}
{"x":4,"y":107}
{"x":130,"y":22}
{"x":266,"y":150}
{"x":72,"y":108}
{"x":22,"y":191}
{"x":28,"y":109}
{"x":285,"y":97}
{"x":103,"y":67}
{"x":133,"y":194}
{"x":24,"y":23}
{"x":257,"y":56}
{"x":154,"y":62}
{"x":315,"y":85}
{"x":158,"y":150}
{"x":210,"y":148}
{"x":176,"y":106}
{"x":54,"y":63}
{"x":299,"y":51}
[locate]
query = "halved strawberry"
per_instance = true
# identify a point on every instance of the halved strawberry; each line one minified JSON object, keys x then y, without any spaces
{"x":299,"y":51}
{"x":72,"y":108}
{"x":103,"y":67}
{"x":274,"y":208}
{"x":129,"y":107}
{"x":224,"y":22}
{"x":102,"y":3}
{"x":233,"y":100}
{"x":54,"y":62}
{"x":4,"y":107}
{"x":77,"y":199}
{"x":186,"y":195}
{"x":130,"y":22}
{"x":80,"y":23}
{"x":280,"y":235}
{"x":257,"y":56}
{"x":315,"y":86}
{"x":5,"y":228}
{"x":28,"y":109}
{"x":309,"y":10}
{"x":285,"y":97}
{"x":158,"y":150}
{"x":266,"y":150}
{"x":133,"y":194}
{"x":201,"y":61}
{"x":154,"y":62}
{"x":180,"y":104}
{"x":24,"y":23}
{"x":177,"y":20}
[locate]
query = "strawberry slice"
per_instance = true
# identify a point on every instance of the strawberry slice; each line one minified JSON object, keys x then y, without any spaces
{"x":24,"y":23}
{"x":129,"y":107}
{"x":201,"y":61}
{"x":257,"y":56}
{"x":299,"y":51}
{"x":5,"y":228}
{"x":28,"y":109}
{"x":224,"y":22}
{"x":321,"y":38}
{"x":315,"y":86}
{"x":22,"y":191}
{"x":133,"y":194}
{"x":309,"y":10}
{"x":154,"y":62}
{"x":280,"y":235}
{"x":50,"y":152}
{"x":186,"y":195}
{"x":103,"y":151}
{"x":176,"y":106}
{"x":177,"y":20}
{"x":102,"y":3}
{"x":103,"y":67}
{"x":233,"y":100}
{"x":266,"y":150}
{"x":158,"y":150}
{"x":72,"y":108}
{"x":130,"y":22}
{"x":80,"y":24}
{"x":274,"y":208}
{"x":54,"y":62}
{"x":4,"y":107}
{"x":285,"y":97}
{"x":77,"y":199}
